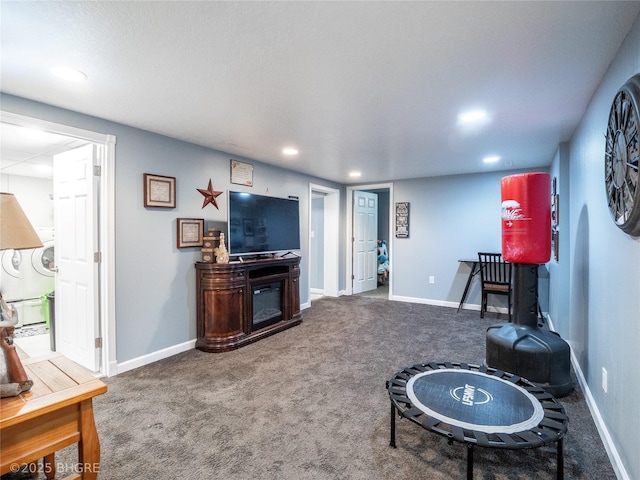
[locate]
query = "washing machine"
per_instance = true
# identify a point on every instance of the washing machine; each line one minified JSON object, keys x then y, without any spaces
{"x":38,"y":264}
{"x":38,"y":278}
{"x":26,"y":276}
{"x":12,"y":279}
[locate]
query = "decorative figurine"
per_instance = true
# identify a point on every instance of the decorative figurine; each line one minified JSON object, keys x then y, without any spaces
{"x":222,"y":255}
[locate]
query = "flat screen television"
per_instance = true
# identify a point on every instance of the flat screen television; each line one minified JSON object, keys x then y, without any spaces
{"x":259,"y":224}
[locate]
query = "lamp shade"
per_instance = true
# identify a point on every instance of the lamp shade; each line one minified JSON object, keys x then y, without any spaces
{"x":16,"y":231}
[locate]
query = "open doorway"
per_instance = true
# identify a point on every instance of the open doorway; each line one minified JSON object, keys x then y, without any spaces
{"x":14,"y":175}
{"x":357,"y":265}
{"x":27,"y":277}
{"x":324,"y":215}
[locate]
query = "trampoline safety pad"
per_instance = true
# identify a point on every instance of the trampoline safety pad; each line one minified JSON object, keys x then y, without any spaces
{"x":475,"y":401}
{"x":478,"y":406}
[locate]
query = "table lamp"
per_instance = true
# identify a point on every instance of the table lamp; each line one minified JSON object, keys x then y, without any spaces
{"x":16,"y":233}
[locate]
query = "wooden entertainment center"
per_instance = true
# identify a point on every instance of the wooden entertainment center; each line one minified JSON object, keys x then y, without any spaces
{"x":228,"y":294}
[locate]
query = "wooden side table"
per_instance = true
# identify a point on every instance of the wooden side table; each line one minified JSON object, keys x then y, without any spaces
{"x":55,"y":413}
{"x":472,"y":273}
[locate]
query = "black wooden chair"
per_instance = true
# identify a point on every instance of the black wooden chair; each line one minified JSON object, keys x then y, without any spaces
{"x":495,"y":277}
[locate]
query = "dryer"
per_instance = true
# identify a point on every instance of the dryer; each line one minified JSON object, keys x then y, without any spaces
{"x":30,"y":279}
{"x":12,"y":279}
{"x":39,"y":278}
{"x":11,"y":275}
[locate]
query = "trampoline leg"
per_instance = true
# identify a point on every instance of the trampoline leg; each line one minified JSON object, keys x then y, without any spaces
{"x":470,"y":461}
{"x":560,"y":460}
{"x":392,"y":442}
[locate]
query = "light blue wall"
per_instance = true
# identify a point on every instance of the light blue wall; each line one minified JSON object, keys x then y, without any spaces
{"x":155,"y":281}
{"x":559,"y":270}
{"x":603,"y":323}
{"x":383,"y":216}
{"x":451,"y":218}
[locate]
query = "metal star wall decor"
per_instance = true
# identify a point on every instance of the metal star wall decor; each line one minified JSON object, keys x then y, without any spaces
{"x":210,"y":196}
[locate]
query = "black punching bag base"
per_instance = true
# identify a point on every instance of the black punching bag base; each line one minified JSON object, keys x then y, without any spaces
{"x":541,"y":356}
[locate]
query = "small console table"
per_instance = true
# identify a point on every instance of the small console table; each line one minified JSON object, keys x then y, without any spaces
{"x":478,"y":405}
{"x":472,"y":273}
{"x":228,"y":301}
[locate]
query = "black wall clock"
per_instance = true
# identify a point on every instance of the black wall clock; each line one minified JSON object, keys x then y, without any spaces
{"x":621,"y":157}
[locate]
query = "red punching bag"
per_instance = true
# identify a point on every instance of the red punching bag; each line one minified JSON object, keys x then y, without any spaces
{"x":526,"y":218}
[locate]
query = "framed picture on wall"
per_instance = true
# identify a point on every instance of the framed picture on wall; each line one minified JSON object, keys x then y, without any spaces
{"x":190,"y":232}
{"x":402,"y":220}
{"x":241,"y":173}
{"x":555,"y":244}
{"x":159,"y":191}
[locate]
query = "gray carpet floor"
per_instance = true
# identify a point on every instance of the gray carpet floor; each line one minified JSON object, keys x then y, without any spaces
{"x":311,"y":403}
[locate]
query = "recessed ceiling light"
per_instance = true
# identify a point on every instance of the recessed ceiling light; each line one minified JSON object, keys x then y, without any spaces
{"x":491,"y":159}
{"x":290,"y":151}
{"x":473,"y":116}
{"x":355,"y":174}
{"x":68,"y":73}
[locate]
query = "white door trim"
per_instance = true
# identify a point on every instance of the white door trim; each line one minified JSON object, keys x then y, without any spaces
{"x":106,"y":205}
{"x":331,"y":238}
{"x":349,"y":236}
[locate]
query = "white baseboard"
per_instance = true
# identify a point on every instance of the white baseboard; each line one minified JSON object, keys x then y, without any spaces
{"x":444,"y":303}
{"x":605,"y":436}
{"x":425,"y":301}
{"x":609,"y":445}
{"x":154,"y":357}
{"x":304,"y":306}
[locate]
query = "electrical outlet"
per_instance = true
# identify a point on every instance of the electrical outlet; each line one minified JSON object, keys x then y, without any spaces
{"x":432,"y":279}
{"x":605,"y":380}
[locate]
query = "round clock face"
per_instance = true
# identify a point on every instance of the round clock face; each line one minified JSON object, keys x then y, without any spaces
{"x":621,"y":158}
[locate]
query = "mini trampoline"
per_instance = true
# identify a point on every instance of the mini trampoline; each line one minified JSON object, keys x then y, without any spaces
{"x":478,"y":405}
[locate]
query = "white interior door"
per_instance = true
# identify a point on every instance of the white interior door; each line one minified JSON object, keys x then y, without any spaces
{"x":365,"y":241}
{"x":75,"y":218}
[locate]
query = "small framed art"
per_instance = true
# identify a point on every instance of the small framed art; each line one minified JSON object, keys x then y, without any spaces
{"x":402,"y":219}
{"x":241,"y":173}
{"x":190,"y":232}
{"x":159,"y":191}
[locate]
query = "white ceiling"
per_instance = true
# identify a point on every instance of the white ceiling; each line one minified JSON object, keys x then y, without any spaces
{"x":370,"y":86}
{"x":29,"y":153}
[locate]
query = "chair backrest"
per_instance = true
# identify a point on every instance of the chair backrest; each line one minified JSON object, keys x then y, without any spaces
{"x":494,"y":269}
